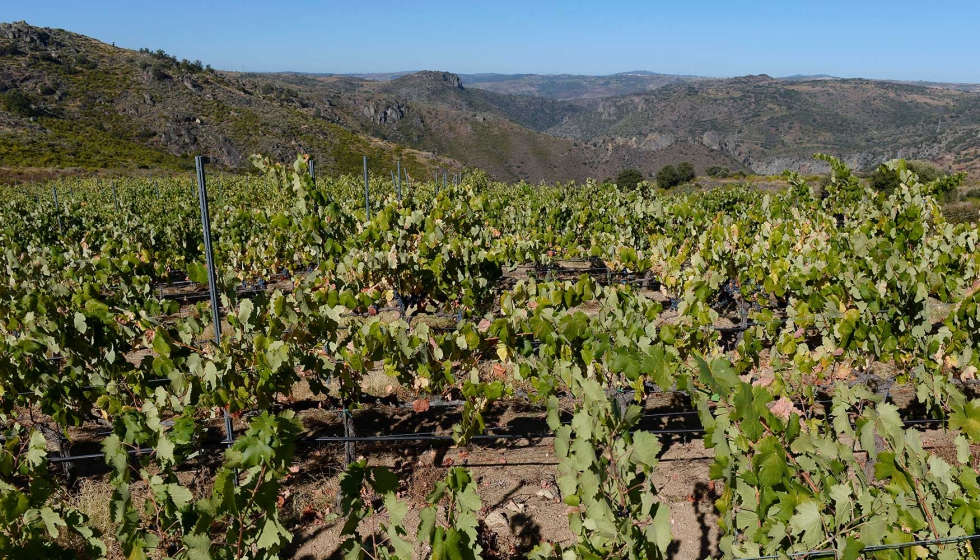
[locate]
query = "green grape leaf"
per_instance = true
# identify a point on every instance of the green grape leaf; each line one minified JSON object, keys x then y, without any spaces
{"x":646,"y":448}
{"x":770,"y":462}
{"x":80,"y":322}
{"x":808,"y":521}
{"x":967,"y":419}
{"x":52,"y":521}
{"x":198,"y":546}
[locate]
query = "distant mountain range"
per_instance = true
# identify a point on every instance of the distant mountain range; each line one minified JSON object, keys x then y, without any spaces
{"x":69,"y":100}
{"x":584,"y":86}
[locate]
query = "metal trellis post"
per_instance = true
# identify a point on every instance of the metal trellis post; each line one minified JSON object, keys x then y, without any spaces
{"x":367,"y":191}
{"x":57,"y":208}
{"x":398,"y":183}
{"x":212,"y":279}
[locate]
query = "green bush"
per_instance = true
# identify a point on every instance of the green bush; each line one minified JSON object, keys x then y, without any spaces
{"x":685,"y":172}
{"x":886,"y":180}
{"x":629,"y":178}
{"x":718,"y":172}
{"x":670,"y":176}
{"x":159,"y":74}
{"x":667,"y":177}
{"x":9,"y":50}
{"x":19,"y":103}
{"x":84,"y":61}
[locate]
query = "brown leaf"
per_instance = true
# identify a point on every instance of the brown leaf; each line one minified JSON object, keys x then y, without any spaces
{"x":420,"y":405}
{"x":783,"y":408}
{"x":310,"y":515}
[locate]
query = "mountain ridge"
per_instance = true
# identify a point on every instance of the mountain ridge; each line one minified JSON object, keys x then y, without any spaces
{"x":72,"y":100}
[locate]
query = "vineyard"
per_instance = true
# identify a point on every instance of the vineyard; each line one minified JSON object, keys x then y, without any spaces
{"x":819,"y":342}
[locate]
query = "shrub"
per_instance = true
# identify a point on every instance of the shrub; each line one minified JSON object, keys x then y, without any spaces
{"x":84,"y":61}
{"x":667,"y":177}
{"x":19,"y":103}
{"x":886,"y":180}
{"x":629,"y":178}
{"x":159,"y":74}
{"x":9,"y":50}
{"x":685,"y":172}
{"x":718,"y":172}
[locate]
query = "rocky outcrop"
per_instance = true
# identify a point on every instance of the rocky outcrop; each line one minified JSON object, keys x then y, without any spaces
{"x":191,"y":84}
{"x":859,"y":161}
{"x":424,"y":86}
{"x":230,"y":155}
{"x":21,"y":31}
{"x":390,"y":114}
{"x":449,"y":78}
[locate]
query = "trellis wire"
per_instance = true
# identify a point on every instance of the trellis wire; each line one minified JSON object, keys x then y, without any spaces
{"x":874,"y":548}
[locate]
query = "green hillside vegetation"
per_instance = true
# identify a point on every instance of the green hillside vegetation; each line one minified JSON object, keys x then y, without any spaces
{"x":71,"y":101}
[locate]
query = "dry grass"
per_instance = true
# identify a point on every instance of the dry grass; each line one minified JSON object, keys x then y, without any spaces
{"x":92,"y":497}
{"x":310,"y":501}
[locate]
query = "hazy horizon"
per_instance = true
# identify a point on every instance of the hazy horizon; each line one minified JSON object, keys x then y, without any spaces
{"x":546,"y":75}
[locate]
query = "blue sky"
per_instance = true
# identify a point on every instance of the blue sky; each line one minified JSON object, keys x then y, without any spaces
{"x":937,"y":40}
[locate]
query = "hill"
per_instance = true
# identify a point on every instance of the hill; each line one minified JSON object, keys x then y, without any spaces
{"x":435,"y":112}
{"x":573,"y":86}
{"x":72,"y":101}
{"x":769,"y":124}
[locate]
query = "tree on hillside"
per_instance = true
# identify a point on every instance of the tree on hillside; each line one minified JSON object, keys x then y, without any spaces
{"x":667,"y":177}
{"x":685,"y":172}
{"x":717,"y":171}
{"x":19,"y":103}
{"x":886,"y":180}
{"x":629,"y":178}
